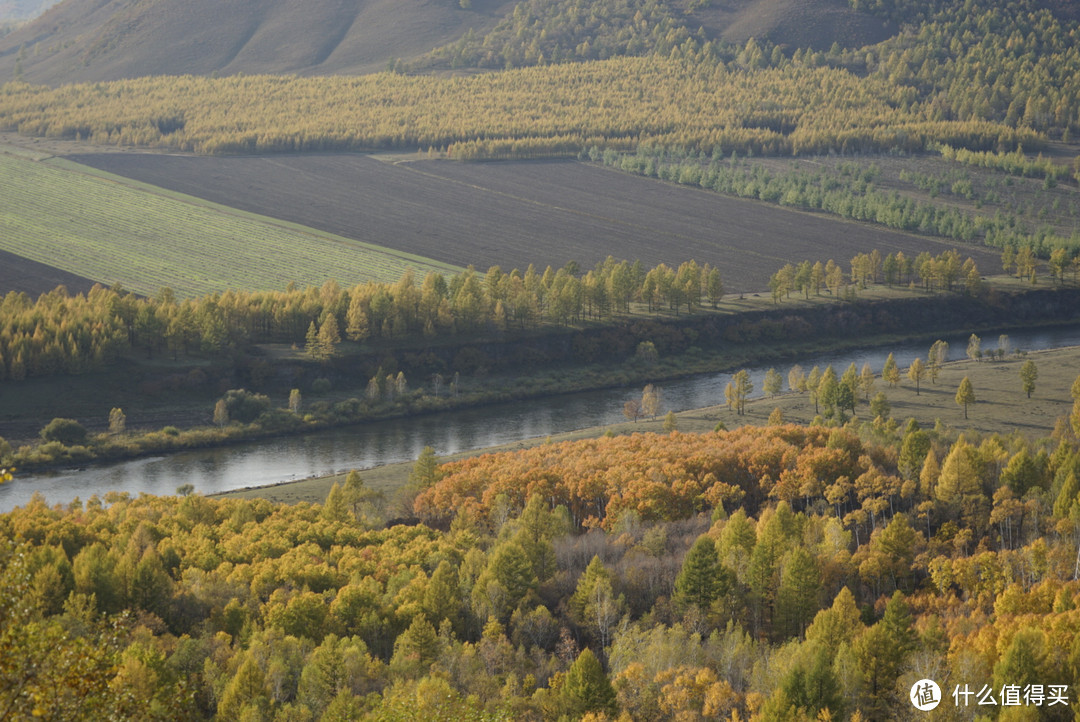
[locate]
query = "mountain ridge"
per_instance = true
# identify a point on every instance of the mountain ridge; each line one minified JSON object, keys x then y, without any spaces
{"x":100,"y":40}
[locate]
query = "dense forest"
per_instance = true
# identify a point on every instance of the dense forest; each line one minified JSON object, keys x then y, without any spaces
{"x":776,"y":573}
{"x":531,"y":112}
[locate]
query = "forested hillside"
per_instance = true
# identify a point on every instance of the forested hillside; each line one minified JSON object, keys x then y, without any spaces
{"x":977,"y":75}
{"x":761,"y":574}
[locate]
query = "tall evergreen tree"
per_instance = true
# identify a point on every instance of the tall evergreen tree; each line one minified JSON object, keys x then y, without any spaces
{"x":586,"y":688}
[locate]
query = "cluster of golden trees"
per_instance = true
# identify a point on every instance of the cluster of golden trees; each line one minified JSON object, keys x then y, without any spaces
{"x":768,"y":573}
{"x":60,"y":333}
{"x":618,"y":103}
{"x":941,"y":272}
{"x":64,"y":334}
{"x":1014,"y":62}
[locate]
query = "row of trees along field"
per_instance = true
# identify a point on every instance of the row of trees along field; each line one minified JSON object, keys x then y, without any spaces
{"x":63,"y":334}
{"x":60,"y":333}
{"x":935,"y":273}
{"x":764,"y":573}
{"x":851,"y":192}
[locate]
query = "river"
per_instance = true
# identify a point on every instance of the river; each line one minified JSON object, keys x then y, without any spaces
{"x":364,"y":446}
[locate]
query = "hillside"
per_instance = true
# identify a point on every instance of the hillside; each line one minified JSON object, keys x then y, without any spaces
{"x":16,"y":11}
{"x":89,"y":40}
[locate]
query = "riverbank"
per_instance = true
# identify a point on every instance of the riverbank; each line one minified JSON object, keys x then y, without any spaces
{"x":708,"y":342}
{"x":1001,"y":406}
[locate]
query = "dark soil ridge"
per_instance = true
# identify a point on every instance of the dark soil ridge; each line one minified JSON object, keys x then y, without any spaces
{"x":33,"y":278}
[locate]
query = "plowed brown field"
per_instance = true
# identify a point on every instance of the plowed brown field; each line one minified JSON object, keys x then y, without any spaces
{"x":22,"y":274}
{"x":515,"y":213}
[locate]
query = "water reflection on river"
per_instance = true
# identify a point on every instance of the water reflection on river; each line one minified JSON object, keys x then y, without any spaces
{"x":360,"y":447}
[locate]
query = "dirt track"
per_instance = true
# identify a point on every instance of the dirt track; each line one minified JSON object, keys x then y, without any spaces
{"x":515,"y":213}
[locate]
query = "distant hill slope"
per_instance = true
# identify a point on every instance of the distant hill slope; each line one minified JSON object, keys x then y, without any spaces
{"x":815,"y":24}
{"x":20,"y":10}
{"x":91,"y":40}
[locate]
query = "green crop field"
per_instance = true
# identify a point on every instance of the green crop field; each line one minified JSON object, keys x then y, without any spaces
{"x":114,"y":230}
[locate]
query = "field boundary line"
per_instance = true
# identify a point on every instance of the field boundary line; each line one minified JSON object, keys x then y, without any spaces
{"x":71,"y":166}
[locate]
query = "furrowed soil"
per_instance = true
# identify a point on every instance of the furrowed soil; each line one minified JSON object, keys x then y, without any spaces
{"x":514,"y":213}
{"x":22,"y":274}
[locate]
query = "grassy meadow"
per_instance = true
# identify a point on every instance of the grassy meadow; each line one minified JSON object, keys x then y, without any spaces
{"x":114,"y":230}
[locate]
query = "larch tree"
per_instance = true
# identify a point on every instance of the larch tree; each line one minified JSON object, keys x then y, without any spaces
{"x":671,"y":423}
{"x":866,"y":381}
{"x":974,"y":348}
{"x":937,"y":356}
{"x":827,"y":391}
{"x":890,"y":372}
{"x":702,"y":579}
{"x":741,"y":387}
{"x":586,"y":688}
{"x":774,"y":382}
{"x":650,"y":401}
{"x":797,"y":596}
{"x":117,"y":422}
{"x":796,"y":378}
{"x":965,"y":395}
{"x":1028,"y":375}
{"x":813,"y":380}
{"x":916,"y":372}
{"x":221,"y":413}
{"x":328,"y":339}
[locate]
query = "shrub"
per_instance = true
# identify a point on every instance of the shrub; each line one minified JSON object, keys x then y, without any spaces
{"x":68,"y":432}
{"x":244,"y":406}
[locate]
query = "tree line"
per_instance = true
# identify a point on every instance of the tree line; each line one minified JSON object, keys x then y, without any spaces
{"x":60,"y":333}
{"x":849,"y":193}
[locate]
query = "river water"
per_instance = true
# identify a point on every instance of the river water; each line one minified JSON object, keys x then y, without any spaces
{"x":360,"y":447}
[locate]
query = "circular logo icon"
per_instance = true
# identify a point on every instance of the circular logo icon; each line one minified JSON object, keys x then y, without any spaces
{"x":925,"y":695}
